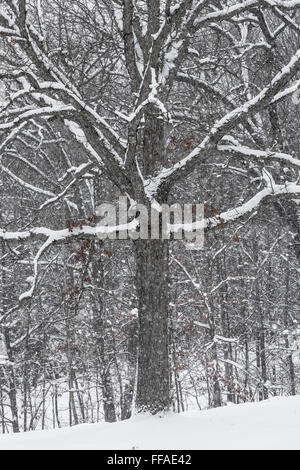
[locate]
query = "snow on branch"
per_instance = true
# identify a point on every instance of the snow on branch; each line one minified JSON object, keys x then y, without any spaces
{"x":39,"y":112}
{"x":242,"y":151}
{"x":286,"y":4}
{"x":60,"y":83}
{"x":53,"y":237}
{"x":292,"y":90}
{"x":274,"y":191}
{"x":168,"y":176}
{"x":26,"y":185}
{"x":30,"y":292}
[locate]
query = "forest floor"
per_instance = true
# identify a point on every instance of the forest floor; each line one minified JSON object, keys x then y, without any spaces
{"x":272,"y":424}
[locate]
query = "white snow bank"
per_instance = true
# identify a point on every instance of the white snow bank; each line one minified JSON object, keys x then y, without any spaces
{"x":273,"y":424}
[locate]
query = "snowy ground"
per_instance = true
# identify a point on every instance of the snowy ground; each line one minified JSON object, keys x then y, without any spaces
{"x":273,"y":424}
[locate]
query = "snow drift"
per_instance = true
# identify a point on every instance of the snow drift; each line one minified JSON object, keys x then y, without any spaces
{"x":272,"y":424}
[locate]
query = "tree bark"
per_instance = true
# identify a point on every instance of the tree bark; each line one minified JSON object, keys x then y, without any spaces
{"x":102,"y":348}
{"x":12,"y":393}
{"x":153,"y":387}
{"x":129,"y":389}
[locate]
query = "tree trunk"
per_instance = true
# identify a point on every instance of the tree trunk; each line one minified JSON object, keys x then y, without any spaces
{"x":153,"y":387}
{"x":129,"y":388}
{"x":12,"y":393}
{"x":103,"y":349}
{"x":290,"y":361}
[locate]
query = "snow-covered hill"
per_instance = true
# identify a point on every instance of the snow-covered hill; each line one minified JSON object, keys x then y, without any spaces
{"x":273,"y":424}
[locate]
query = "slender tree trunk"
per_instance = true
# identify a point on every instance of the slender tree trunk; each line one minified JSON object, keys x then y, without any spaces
{"x":216,"y":399}
{"x":2,"y":405}
{"x":6,"y":336}
{"x":79,"y":398}
{"x":261,"y":348}
{"x":291,"y":365}
{"x":108,"y":397}
{"x":26,"y":380}
{"x":129,"y":387}
{"x":56,"y":410}
{"x":12,"y":385}
{"x":153,"y":387}
{"x":263,"y":359}
{"x":73,"y":417}
{"x":217,"y":392}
